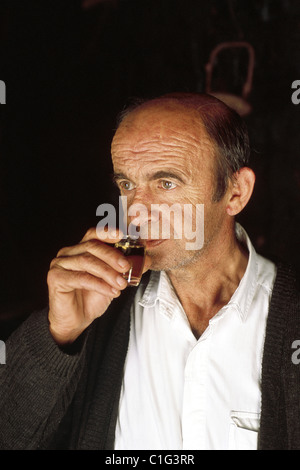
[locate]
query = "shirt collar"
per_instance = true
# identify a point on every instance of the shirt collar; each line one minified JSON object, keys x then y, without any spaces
{"x":160,"y":288}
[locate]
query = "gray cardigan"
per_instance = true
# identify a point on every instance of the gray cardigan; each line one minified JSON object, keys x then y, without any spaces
{"x":68,"y":399}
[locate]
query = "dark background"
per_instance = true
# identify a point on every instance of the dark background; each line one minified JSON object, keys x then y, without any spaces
{"x":70,"y":67}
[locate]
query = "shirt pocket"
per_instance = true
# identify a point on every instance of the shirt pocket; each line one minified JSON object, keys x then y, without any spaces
{"x":243,"y":430}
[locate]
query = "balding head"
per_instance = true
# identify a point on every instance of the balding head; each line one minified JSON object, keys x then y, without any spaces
{"x":225,"y":129}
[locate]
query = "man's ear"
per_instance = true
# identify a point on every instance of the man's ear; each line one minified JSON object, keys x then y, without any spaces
{"x":240,"y":190}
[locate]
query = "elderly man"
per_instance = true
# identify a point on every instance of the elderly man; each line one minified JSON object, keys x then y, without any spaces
{"x":199,"y":356}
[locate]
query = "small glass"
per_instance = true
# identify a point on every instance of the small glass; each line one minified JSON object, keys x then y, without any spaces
{"x":134,"y":250}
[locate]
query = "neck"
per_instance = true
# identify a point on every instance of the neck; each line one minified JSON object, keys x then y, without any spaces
{"x":207,"y":284}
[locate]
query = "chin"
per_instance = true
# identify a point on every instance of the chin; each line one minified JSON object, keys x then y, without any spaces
{"x":163,"y":261}
{"x":172,"y":260}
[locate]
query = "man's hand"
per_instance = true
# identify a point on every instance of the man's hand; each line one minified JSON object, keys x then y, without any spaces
{"x":82,"y":281}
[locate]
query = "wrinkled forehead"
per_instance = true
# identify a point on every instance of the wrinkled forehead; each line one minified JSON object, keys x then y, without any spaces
{"x":162,"y":121}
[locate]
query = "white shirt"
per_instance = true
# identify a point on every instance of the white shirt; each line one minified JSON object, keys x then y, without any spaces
{"x":182,"y":393}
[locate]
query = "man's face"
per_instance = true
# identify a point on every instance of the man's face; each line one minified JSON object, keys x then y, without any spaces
{"x":164,"y":156}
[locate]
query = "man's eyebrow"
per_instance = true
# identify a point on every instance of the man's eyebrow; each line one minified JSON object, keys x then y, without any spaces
{"x":157,"y":175}
{"x":166,"y":174}
{"x":118,"y":176}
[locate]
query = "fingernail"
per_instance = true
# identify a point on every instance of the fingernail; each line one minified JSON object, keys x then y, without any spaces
{"x":121,"y":281}
{"x":123,"y":263}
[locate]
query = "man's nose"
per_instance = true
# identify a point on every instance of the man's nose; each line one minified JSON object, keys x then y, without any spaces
{"x":139,"y":214}
{"x":139,"y":211}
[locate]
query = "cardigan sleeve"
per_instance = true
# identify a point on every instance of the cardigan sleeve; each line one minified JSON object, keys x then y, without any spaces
{"x":37,"y":384}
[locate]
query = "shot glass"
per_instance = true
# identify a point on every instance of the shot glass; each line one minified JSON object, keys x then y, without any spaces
{"x":134,"y":250}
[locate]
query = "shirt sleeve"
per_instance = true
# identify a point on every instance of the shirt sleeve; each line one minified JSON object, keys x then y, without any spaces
{"x":37,"y":384}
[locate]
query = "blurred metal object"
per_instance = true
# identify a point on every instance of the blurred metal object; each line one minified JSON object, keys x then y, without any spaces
{"x":239,"y":103}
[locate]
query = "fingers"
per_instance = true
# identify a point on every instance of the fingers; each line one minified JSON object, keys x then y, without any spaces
{"x":109,"y":236}
{"x":62,"y":280}
{"x":100,"y":250}
{"x":91,"y":265}
{"x":83,"y":279}
{"x":108,"y":280}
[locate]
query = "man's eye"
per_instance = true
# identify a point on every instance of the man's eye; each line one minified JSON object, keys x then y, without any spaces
{"x":167,"y":184}
{"x":127,"y":185}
